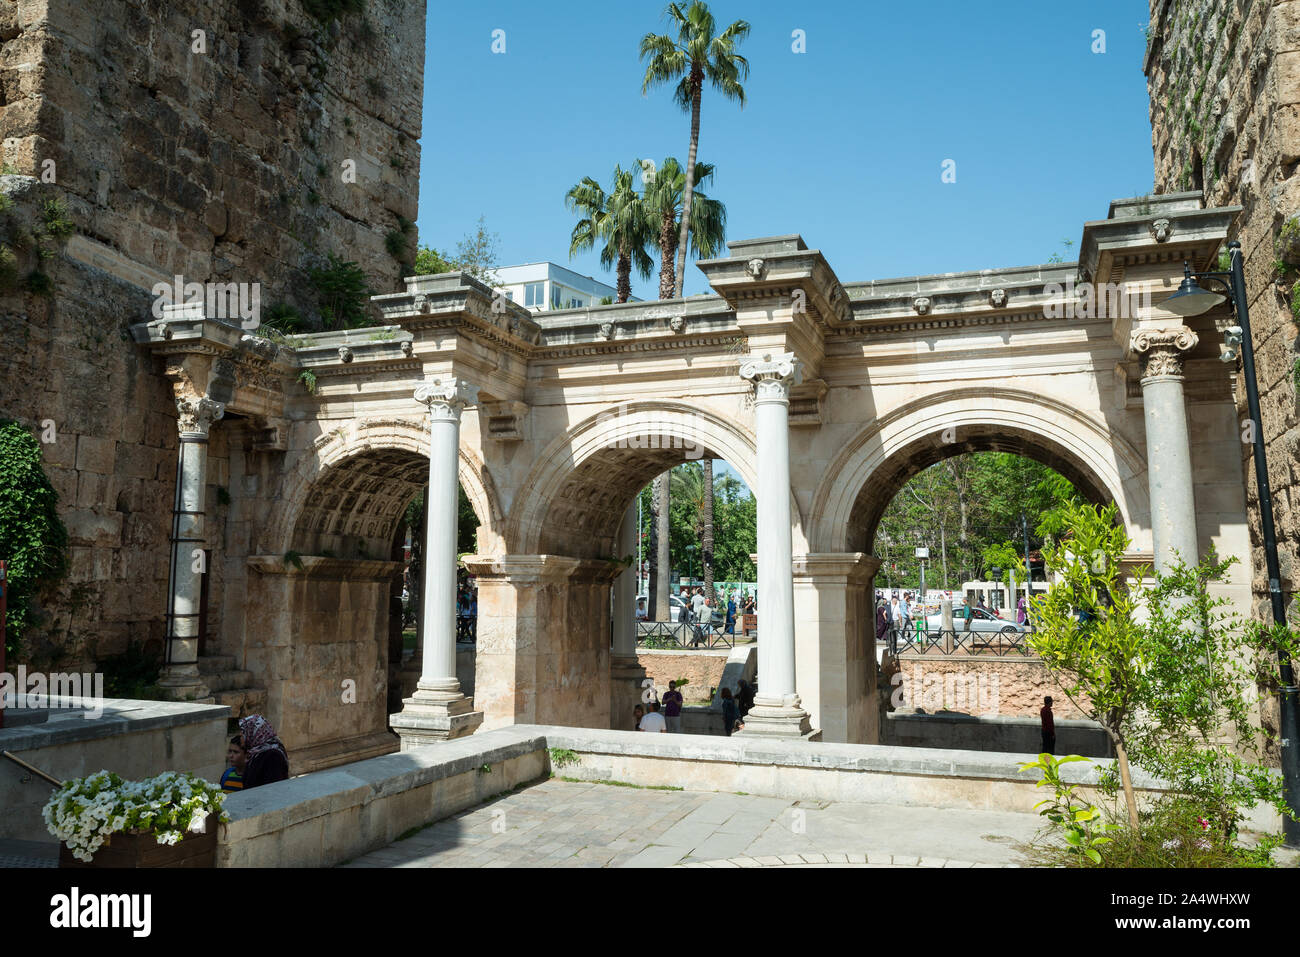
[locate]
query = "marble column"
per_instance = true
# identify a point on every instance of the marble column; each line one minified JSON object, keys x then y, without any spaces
{"x":777,"y":709}
{"x":438,"y":710}
{"x":1169,"y":457}
{"x":180,"y":676}
{"x":625,"y":671}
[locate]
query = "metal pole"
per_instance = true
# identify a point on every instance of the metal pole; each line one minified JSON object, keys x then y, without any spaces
{"x":1289,"y":731}
{"x":1029,"y":574}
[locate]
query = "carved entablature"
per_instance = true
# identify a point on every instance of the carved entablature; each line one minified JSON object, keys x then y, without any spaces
{"x":269,"y":434}
{"x":504,"y":420}
{"x":1162,"y":350}
{"x":921,"y":304}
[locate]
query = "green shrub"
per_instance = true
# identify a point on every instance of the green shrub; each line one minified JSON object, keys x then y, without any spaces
{"x":343,"y":293}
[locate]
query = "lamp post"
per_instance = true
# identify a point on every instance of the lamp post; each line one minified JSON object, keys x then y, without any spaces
{"x":690,"y":562}
{"x":1192,"y":300}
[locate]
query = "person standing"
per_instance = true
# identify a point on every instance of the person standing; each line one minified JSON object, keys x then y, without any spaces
{"x":744,"y":698}
{"x":1022,"y":610}
{"x":729,"y":713}
{"x":730,"y":626}
{"x":1049,"y":726}
{"x":704,"y":625}
{"x":637,"y":714}
{"x":697,"y":602}
{"x":673,"y":708}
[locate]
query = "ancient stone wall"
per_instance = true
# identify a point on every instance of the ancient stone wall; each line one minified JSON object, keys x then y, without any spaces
{"x":1224,"y":80}
{"x":218,"y":140}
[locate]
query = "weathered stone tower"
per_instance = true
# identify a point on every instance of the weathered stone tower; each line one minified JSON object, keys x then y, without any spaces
{"x":1224,"y":79}
{"x":232,"y":141}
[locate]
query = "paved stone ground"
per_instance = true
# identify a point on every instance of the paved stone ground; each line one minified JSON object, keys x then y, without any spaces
{"x":569,"y":824}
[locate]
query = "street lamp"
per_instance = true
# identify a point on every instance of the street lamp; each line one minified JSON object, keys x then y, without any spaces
{"x":1192,"y":299}
{"x":690,"y":562}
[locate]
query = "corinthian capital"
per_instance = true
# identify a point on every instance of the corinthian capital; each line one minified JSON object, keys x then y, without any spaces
{"x":772,"y":375}
{"x":446,"y":396}
{"x":197,"y":413}
{"x":1162,"y":350}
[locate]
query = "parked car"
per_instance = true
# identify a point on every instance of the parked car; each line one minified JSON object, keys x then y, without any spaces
{"x":982,"y":621}
{"x":675,"y":605}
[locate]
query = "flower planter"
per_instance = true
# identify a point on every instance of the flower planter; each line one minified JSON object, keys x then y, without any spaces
{"x":143,"y":850}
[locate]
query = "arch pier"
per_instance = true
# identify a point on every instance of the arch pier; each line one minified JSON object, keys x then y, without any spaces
{"x":824,"y":395}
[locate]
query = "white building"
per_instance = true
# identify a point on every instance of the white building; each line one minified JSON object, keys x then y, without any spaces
{"x":550,"y":286}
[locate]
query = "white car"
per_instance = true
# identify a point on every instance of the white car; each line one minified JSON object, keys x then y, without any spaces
{"x":981,"y":621}
{"x":675,"y":605}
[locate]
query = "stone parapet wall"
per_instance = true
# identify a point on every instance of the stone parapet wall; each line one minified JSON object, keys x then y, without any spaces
{"x":135,"y":739}
{"x":702,"y":670}
{"x":1012,"y":687}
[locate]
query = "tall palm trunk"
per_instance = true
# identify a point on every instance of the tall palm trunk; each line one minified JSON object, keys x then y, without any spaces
{"x":697,"y":85}
{"x":668,"y":241}
{"x":706,"y":519}
{"x":624,"y":276}
{"x":652,"y":587}
{"x":662,"y":612}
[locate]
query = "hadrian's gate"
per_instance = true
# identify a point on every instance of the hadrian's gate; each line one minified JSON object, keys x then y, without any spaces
{"x":824,"y":395}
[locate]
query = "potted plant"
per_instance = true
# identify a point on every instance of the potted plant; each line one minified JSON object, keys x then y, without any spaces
{"x":164,"y":821}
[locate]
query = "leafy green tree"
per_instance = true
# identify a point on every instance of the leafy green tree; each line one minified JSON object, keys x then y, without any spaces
{"x":696,"y":55}
{"x":1193,"y":723}
{"x":617,"y":220}
{"x":663,"y":200}
{"x":343,"y":293}
{"x":431,"y":262}
{"x":478,"y":254}
{"x":33,"y":540}
{"x":1087,"y":630}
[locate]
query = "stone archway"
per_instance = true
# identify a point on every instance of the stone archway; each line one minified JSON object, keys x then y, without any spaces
{"x":835,"y":585}
{"x":544,"y":651}
{"x":323,"y":643}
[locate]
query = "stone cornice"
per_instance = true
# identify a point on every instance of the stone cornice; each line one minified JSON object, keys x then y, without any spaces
{"x":318,"y":566}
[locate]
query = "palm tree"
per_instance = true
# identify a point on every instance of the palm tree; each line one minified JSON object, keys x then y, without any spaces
{"x":708,"y":229}
{"x":663,"y":200}
{"x":695,"y":55}
{"x":617,"y":218}
{"x":695,"y":486}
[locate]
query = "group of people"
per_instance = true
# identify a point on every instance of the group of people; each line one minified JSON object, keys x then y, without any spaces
{"x":255,"y":756}
{"x":700,"y":611}
{"x":666,"y":717}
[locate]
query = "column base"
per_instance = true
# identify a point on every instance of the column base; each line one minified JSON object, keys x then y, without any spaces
{"x":431,"y":718}
{"x":779,"y":721}
{"x":184,"y":683}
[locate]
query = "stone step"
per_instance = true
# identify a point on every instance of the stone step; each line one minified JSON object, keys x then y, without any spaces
{"x":228,"y":680}
{"x":242,"y":701}
{"x":214,"y":664}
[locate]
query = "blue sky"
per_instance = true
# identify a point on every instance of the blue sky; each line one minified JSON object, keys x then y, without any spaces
{"x":843,"y":144}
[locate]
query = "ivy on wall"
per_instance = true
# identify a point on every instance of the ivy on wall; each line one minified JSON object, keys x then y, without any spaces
{"x":33,"y":540}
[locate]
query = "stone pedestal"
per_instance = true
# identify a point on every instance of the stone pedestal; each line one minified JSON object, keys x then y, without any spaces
{"x":438,"y":710}
{"x":180,"y":677}
{"x":777,"y":708}
{"x":835,"y":645}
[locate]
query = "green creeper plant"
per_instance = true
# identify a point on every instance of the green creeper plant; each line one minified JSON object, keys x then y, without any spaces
{"x":33,"y":540}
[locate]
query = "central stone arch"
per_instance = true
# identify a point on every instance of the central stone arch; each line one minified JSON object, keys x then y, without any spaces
{"x":576,"y":493}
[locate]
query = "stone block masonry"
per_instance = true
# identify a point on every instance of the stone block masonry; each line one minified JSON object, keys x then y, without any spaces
{"x":1224,"y":81}
{"x":220,"y":156}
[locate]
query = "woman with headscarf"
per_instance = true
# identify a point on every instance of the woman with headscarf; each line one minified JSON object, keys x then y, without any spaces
{"x":267,"y":760}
